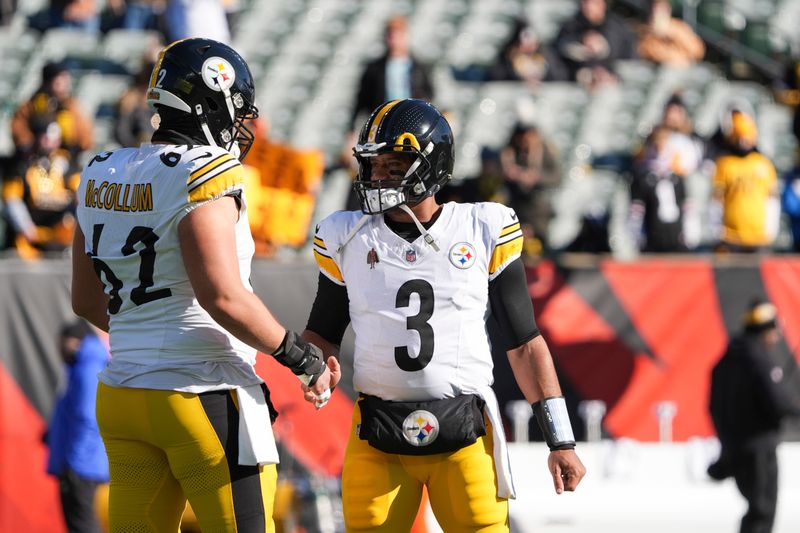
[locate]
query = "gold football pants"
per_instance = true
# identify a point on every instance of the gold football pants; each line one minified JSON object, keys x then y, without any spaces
{"x":164,"y":446}
{"x":381,"y":492}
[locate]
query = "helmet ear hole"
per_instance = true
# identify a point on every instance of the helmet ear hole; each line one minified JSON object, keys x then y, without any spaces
{"x":211,"y":104}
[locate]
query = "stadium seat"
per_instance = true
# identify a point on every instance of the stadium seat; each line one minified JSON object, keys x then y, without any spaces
{"x":128,"y":47}
{"x":57,"y":43}
{"x":711,"y":14}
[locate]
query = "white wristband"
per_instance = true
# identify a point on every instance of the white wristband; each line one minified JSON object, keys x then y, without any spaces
{"x":553,"y":418}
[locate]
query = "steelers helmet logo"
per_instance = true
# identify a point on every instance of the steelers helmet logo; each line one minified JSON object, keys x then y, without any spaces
{"x":462,"y":255}
{"x":218,"y":73}
{"x":420,"y":428}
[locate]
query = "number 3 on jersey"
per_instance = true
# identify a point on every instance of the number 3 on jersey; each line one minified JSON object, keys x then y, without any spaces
{"x":147,"y":255}
{"x":418,"y":323}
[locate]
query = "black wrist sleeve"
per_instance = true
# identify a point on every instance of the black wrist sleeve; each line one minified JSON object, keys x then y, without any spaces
{"x":330,"y":314}
{"x":511,"y":305}
{"x":302,"y":358}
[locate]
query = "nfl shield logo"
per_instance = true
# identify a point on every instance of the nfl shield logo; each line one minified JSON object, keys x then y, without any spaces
{"x":411,"y":255}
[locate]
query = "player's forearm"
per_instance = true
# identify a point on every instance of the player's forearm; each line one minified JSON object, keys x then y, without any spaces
{"x":328,"y":348}
{"x":89,"y":301}
{"x":246,"y":317}
{"x":533,"y":369}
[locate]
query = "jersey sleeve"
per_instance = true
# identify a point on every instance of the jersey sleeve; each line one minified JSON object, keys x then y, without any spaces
{"x":506,"y":238}
{"x":720,"y":179}
{"x":213,"y":174}
{"x":324,"y":250}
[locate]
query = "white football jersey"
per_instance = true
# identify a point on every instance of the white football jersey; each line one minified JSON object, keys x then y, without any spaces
{"x":130,"y":203}
{"x":419,"y":315}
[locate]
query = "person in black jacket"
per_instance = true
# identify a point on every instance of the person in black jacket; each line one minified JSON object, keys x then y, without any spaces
{"x":395,"y":75}
{"x":592,"y":41}
{"x":749,"y":398}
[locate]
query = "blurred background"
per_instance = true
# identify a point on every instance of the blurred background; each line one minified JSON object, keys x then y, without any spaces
{"x":649,"y":148}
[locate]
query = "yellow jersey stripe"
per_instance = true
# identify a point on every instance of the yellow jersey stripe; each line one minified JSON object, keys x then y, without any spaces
{"x":208,"y":167}
{"x":319,"y":242}
{"x":217,"y":185}
{"x":509,"y":229}
{"x":328,"y":265}
{"x":503,"y":252}
{"x":373,"y":129}
{"x":214,"y":172}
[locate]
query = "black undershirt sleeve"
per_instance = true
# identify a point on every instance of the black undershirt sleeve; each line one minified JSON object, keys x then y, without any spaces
{"x":511,"y":305}
{"x":330,"y":313}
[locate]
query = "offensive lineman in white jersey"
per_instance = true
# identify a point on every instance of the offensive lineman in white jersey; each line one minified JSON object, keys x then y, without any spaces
{"x":161,"y":260}
{"x":418,"y":280}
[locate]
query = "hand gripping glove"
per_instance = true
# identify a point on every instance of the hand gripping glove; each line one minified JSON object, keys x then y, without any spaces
{"x":302,"y":358}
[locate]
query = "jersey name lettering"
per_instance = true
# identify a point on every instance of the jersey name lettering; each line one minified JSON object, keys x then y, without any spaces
{"x":119,"y":197}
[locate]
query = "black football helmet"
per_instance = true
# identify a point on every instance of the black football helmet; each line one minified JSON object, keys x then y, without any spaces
{"x":211,"y":82}
{"x":409,"y":126}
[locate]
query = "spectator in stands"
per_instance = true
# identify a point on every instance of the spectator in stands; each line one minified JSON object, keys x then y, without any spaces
{"x":138,"y":14}
{"x":719,"y":143}
{"x":197,"y":18}
{"x":750,"y":396}
{"x":487,"y":186}
{"x":53,"y":98}
{"x":82,"y":14}
{"x":790,"y":203}
{"x":532,"y":172}
{"x":690,"y":147}
{"x":592,"y":41}
{"x":658,"y":194}
{"x":134,"y":122}
{"x":676,"y":118}
{"x":787,"y":92}
{"x":39,"y":194}
{"x":77,"y":455}
{"x":745,"y":185}
{"x":7,"y":10}
{"x":525,"y":58}
{"x":667,"y":40}
{"x":393,"y":76}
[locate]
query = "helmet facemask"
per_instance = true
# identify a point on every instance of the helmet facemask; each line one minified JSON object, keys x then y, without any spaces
{"x":379,"y":196}
{"x":235,"y":136}
{"x":242,"y":137}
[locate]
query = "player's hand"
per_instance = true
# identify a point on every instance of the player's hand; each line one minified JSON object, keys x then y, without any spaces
{"x":567,"y":470}
{"x":320,"y":393}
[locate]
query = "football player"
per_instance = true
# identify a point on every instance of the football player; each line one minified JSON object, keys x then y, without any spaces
{"x":418,"y":280}
{"x":161,"y":260}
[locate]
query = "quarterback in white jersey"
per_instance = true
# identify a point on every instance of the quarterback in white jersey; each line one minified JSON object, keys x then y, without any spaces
{"x":161,"y":260}
{"x":411,"y":301}
{"x":418,"y":281}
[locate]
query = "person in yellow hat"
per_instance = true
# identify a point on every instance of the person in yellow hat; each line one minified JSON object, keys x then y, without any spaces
{"x":745,"y":186}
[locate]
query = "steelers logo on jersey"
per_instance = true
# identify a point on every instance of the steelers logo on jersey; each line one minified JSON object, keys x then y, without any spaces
{"x":420,"y":428}
{"x":462,"y":255}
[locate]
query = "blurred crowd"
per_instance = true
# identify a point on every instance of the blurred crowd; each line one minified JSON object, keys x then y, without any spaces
{"x":748,"y":205}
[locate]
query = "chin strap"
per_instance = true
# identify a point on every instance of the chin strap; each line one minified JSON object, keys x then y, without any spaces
{"x":429,"y":240}
{"x":361,"y":222}
{"x":425,"y":235}
{"x":198,"y":109}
